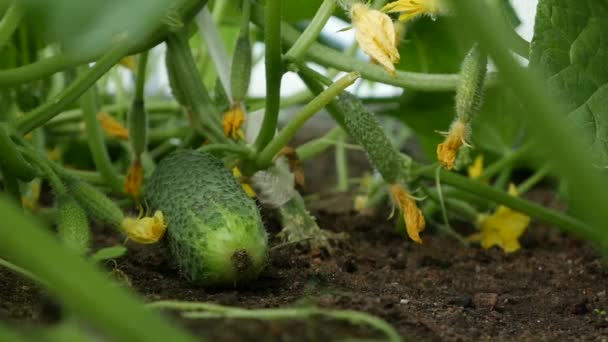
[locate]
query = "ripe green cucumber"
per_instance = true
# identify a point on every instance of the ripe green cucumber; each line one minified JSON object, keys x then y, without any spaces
{"x":215,"y":230}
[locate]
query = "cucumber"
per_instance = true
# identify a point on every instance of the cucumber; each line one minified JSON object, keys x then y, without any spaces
{"x":215,"y":231}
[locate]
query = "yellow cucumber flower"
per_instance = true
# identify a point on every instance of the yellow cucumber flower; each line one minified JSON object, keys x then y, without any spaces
{"x":411,"y":9}
{"x":476,"y":169}
{"x":376,"y":36}
{"x":232,"y":121}
{"x":503,"y":228}
{"x":414,"y":220}
{"x":145,"y":230}
{"x":455,"y":138}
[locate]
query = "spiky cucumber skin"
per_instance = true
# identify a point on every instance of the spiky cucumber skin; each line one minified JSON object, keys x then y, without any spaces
{"x":215,"y":231}
{"x":364,"y":127}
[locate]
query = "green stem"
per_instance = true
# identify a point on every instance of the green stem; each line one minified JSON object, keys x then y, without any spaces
{"x":83,"y":290}
{"x":11,"y":184}
{"x":91,"y":177}
{"x":538,"y":176}
{"x":282,"y":139}
{"x":12,"y":161}
{"x":97,"y":143}
{"x":140,"y":80}
{"x":20,"y":271}
{"x":10,"y":21}
{"x":206,"y":117}
{"x":47,"y":111}
{"x":532,"y":209}
{"x":153,"y":107}
{"x":502,"y":181}
{"x":138,"y":116}
{"x":208,"y":310}
{"x":331,"y":58}
{"x":315,"y":147}
{"x":312,"y":31}
{"x":288,"y":101}
{"x":234,"y":148}
{"x":507,"y":160}
{"x":43,"y":164}
{"x":274,"y":72}
{"x":341,"y":164}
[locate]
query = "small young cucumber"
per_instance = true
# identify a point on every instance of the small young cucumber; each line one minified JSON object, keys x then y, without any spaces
{"x":363,"y":126}
{"x":215,"y":230}
{"x":72,"y":224}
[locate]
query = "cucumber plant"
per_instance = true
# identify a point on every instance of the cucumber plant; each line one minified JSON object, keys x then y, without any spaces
{"x":181,"y":154}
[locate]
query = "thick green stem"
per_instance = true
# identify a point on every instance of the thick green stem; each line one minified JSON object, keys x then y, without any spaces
{"x":97,"y":143}
{"x":537,"y":177}
{"x":274,"y":72}
{"x":282,"y":139}
{"x":10,"y":21}
{"x":334,"y":59}
{"x":341,"y":164}
{"x":83,"y":290}
{"x":532,"y":209}
{"x":312,"y":31}
{"x":138,"y":116}
{"x":47,"y":111}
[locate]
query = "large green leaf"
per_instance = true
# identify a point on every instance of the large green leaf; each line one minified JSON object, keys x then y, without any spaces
{"x":570,"y":50}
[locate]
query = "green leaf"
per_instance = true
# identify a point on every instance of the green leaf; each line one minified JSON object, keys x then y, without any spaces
{"x":108,"y":253}
{"x":429,"y":46}
{"x":495,"y":128}
{"x":570,"y":50}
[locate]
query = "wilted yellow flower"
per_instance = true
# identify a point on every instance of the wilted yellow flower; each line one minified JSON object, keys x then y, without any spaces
{"x":145,"y":230}
{"x":456,"y":137}
{"x":134,"y":179}
{"x":376,"y":36}
{"x":410,"y":9}
{"x":112,"y":127}
{"x":476,"y":169}
{"x":414,"y":220}
{"x":503,"y":228}
{"x":232,"y":121}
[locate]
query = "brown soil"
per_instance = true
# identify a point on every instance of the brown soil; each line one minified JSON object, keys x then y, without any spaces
{"x":553,"y":289}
